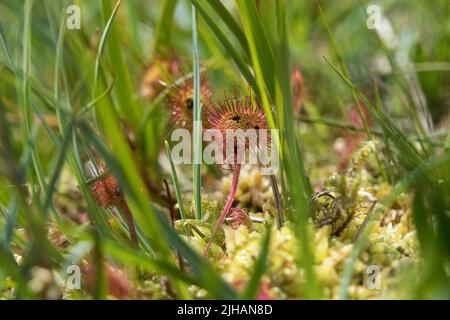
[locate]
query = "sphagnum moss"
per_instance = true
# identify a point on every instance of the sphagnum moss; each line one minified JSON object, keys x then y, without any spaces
{"x":392,"y":241}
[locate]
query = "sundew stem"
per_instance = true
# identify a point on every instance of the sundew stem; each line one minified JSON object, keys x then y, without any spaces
{"x":236,"y":170}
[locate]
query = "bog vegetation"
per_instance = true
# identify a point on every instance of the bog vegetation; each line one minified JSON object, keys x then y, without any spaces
{"x":93,"y":205}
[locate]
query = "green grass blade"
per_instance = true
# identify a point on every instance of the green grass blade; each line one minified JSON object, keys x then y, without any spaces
{"x":405,"y":185}
{"x":409,"y":155}
{"x":164,"y":29}
{"x":197,"y":126}
{"x":262,"y":61}
{"x":124,"y":87}
{"x":62,"y":112}
{"x":175,"y":183}
{"x":129,"y":256}
{"x":231,"y":23}
{"x":260,"y":49}
{"x":345,"y":72}
{"x":9,"y":264}
{"x":298,"y":181}
{"x":7,"y":48}
{"x":124,"y":170}
{"x":57,"y":170}
{"x":223,"y":40}
{"x":447,"y":142}
{"x":102,"y":42}
{"x":203,"y":271}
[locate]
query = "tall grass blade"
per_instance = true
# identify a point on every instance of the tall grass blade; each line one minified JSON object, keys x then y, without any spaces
{"x":165,"y":27}
{"x":231,"y":50}
{"x":176,"y":184}
{"x":197,"y":126}
{"x":413,"y":179}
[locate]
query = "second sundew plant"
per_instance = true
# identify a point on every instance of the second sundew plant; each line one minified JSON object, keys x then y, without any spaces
{"x":93,"y":184}
{"x":107,"y":193}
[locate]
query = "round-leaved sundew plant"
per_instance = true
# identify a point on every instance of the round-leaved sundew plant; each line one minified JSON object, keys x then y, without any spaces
{"x":181,"y":102}
{"x":232,"y":114}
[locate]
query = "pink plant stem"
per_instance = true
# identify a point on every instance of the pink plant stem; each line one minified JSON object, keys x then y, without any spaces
{"x":236,"y":170}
